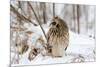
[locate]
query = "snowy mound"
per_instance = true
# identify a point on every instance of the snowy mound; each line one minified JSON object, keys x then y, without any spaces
{"x":81,"y":48}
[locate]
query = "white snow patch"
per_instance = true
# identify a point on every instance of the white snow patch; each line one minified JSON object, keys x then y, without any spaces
{"x":81,"y":48}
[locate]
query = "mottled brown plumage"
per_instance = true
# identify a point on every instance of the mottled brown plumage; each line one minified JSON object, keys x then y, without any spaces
{"x":33,"y":53}
{"x":58,"y":37}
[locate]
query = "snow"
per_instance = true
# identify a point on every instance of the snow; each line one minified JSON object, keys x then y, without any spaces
{"x":81,"y":48}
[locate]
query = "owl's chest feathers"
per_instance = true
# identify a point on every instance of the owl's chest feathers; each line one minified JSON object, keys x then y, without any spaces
{"x":57,"y":32}
{"x":57,"y":37}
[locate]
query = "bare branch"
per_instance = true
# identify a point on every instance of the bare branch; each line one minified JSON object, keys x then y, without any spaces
{"x":20,"y":15}
{"x":37,"y":19}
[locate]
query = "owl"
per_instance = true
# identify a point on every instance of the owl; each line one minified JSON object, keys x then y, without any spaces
{"x":58,"y":37}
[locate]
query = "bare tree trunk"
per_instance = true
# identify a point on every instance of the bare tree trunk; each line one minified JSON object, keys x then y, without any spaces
{"x":78,"y":18}
{"x":44,"y":12}
{"x":74,"y":24}
{"x":53,"y":9}
{"x":86,"y":18}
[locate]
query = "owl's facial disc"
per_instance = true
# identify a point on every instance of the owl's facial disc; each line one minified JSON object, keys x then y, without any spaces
{"x":53,"y":24}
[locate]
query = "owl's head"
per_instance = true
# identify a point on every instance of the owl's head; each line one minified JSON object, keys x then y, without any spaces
{"x":57,"y":22}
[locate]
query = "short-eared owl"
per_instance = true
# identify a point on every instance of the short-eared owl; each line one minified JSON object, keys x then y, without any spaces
{"x":58,"y":37}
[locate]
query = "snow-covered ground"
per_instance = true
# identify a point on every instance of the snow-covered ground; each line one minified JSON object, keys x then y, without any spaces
{"x":81,"y":49}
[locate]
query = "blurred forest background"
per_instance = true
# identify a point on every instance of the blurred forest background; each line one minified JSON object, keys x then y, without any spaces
{"x":80,"y":19}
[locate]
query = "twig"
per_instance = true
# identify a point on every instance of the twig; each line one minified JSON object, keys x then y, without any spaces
{"x":37,"y":19}
{"x":20,"y":15}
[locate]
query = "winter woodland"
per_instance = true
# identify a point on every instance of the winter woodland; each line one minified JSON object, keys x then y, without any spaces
{"x":29,"y":21}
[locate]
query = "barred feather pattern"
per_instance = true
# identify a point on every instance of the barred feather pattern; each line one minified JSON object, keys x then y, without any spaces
{"x":33,"y":53}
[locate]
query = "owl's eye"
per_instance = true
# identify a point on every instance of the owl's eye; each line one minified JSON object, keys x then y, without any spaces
{"x":57,"y":26}
{"x":53,"y":23}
